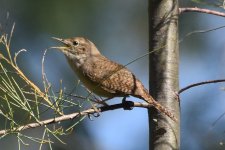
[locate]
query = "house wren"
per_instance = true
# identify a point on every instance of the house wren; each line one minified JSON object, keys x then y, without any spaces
{"x":103,"y":76}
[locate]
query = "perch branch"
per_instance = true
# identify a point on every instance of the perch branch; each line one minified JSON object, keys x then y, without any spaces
{"x":125,"y":105}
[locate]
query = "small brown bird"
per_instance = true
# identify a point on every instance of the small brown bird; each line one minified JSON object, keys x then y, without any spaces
{"x":103,"y":76}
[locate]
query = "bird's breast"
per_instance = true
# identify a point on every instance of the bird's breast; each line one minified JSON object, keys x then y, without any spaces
{"x":82,"y":72}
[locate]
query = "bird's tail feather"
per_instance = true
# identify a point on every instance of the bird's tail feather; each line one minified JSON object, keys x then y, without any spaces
{"x":149,"y":99}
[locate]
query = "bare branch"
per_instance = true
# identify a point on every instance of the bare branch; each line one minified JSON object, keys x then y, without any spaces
{"x":201,"y":10}
{"x":200,"y":83}
{"x":127,"y":105}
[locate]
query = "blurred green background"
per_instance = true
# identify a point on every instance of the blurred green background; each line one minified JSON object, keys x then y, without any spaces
{"x":120,"y":31}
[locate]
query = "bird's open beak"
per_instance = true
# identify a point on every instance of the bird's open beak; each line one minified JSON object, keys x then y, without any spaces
{"x":65,"y":43}
{"x":58,"y":39}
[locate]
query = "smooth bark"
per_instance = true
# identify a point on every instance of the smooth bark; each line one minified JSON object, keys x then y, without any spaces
{"x":164,"y":83}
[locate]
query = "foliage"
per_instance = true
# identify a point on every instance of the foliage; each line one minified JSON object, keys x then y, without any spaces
{"x":22,"y":102}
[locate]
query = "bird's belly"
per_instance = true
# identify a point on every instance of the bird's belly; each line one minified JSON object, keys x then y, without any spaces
{"x":93,"y":86}
{"x":89,"y":84}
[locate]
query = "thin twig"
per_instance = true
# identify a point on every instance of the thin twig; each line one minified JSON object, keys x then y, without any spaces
{"x":218,"y":119}
{"x":44,"y":77}
{"x":201,"y":31}
{"x":125,"y":105}
{"x":201,"y":10}
{"x":200,"y":83}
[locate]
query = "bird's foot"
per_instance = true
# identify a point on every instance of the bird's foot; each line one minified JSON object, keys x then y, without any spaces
{"x":126,"y":104}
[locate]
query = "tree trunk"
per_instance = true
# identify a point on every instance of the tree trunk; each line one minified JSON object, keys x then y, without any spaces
{"x":163,"y":35}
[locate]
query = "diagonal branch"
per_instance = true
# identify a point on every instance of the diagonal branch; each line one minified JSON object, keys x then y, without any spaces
{"x":127,"y":105}
{"x":201,"y":10}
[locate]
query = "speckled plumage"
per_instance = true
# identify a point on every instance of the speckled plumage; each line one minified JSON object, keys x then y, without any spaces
{"x":103,"y":76}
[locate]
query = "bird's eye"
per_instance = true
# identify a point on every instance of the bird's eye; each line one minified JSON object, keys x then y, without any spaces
{"x":75,"y":43}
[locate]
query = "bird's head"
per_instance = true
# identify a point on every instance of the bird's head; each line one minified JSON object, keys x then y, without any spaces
{"x":77,"y":48}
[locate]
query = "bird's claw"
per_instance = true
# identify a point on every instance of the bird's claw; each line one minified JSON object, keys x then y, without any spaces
{"x":126,"y":104}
